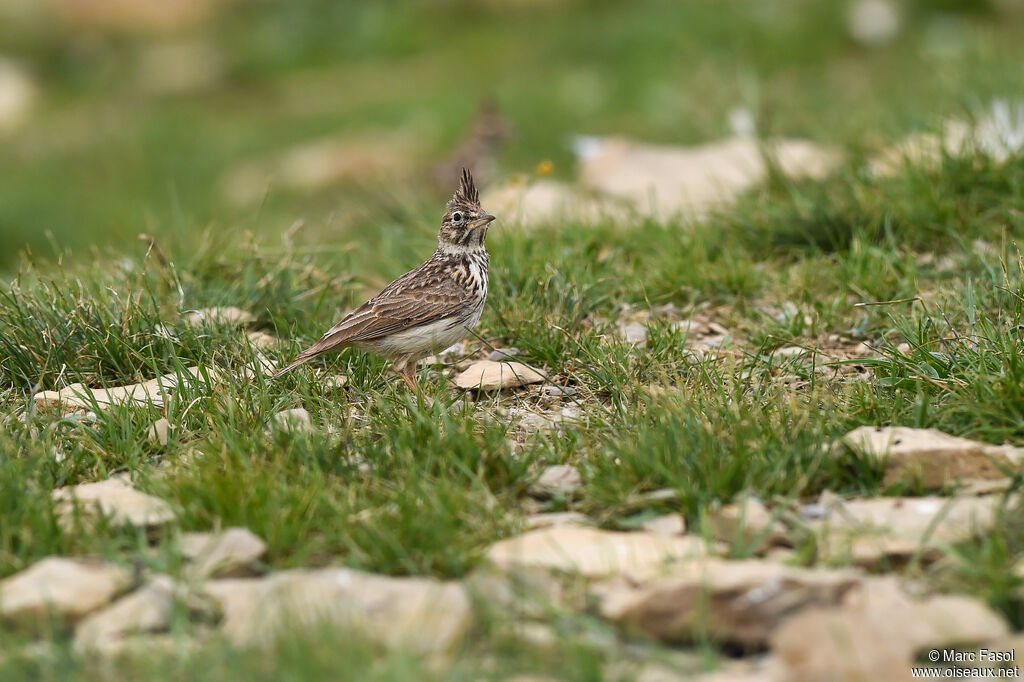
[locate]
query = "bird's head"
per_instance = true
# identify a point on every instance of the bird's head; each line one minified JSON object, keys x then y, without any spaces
{"x":464,"y":225}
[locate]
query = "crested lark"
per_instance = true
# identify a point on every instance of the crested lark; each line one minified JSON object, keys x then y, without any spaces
{"x":426,"y":309}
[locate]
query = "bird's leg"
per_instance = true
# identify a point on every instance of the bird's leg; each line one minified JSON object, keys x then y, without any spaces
{"x":408,"y":374}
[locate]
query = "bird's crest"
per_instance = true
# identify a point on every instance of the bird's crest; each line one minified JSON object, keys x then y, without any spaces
{"x":466,"y":193}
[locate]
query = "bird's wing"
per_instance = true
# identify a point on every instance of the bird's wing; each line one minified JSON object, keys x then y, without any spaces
{"x":423,"y":295}
{"x":383,"y":315}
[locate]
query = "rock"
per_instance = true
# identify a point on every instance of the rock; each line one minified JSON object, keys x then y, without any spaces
{"x":985,"y":487}
{"x":664,"y":182}
{"x":221,"y":316}
{"x":17,"y":95}
{"x":737,"y":601}
{"x":417,"y":615}
{"x":68,"y":589}
{"x":666,"y":525}
{"x":877,"y":633}
{"x":295,"y":420}
{"x":560,"y":479}
{"x":263,"y":340}
{"x":335,"y":381}
{"x":998,"y":133}
{"x":527,"y":593}
{"x":551,"y":203}
{"x":488,"y":376}
{"x":593,"y":553}
{"x":503,"y":354}
{"x":153,"y":392}
{"x":557,"y":391}
{"x":930,"y":457}
{"x":873,"y":22}
{"x":115,"y":499}
{"x":229,"y":553}
{"x":633,"y":333}
{"x":532,"y":422}
{"x":147,"y":646}
{"x":870,"y":531}
{"x":148,"y":609}
{"x":747,"y":523}
{"x":159,"y":432}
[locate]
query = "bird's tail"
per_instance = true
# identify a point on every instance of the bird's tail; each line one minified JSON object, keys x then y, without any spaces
{"x":289,"y":367}
{"x":319,"y":348}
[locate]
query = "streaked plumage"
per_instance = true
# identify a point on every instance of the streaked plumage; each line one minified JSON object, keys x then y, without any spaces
{"x":426,"y":309}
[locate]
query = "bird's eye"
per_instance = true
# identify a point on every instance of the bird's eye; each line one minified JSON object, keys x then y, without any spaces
{"x":457,"y":217}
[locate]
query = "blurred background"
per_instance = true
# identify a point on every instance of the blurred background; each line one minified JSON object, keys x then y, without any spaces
{"x":177,"y":118}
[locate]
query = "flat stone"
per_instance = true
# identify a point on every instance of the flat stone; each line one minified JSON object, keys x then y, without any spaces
{"x":67,"y":589}
{"x":666,"y":525}
{"x":115,"y":499}
{"x":153,"y":392}
{"x":335,"y":381}
{"x":503,"y":354}
{"x":893,"y":529}
{"x":220,"y":315}
{"x":229,"y":553}
{"x":737,"y":601}
{"x":263,"y":340}
{"x":148,"y":609}
{"x":930,"y":457}
{"x":489,"y":376}
{"x":633,"y":333}
{"x":877,"y":633}
{"x":747,"y":522}
{"x":296,"y":419}
{"x":560,"y":479}
{"x":666,"y":182}
{"x":524,"y":594}
{"x":593,"y":553}
{"x":417,"y":615}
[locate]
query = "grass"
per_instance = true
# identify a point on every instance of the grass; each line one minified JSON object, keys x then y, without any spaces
{"x":392,"y":485}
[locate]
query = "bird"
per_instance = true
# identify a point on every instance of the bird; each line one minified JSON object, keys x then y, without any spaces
{"x":428,"y":308}
{"x":486,"y":134}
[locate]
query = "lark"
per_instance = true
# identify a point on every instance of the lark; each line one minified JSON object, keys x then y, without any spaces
{"x":428,"y":308}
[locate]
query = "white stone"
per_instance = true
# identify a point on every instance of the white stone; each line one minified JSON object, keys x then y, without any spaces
{"x":739,"y":601}
{"x":666,"y":183}
{"x":153,"y":392}
{"x":486,"y":375}
{"x":228,"y":553}
{"x":67,"y":588}
{"x":417,"y":615}
{"x":148,"y":609}
{"x":593,"y":553}
{"x":930,"y":457}
{"x":878,"y":632}
{"x":559,"y":479}
{"x":220,"y":315}
{"x":296,"y":419}
{"x":112,"y":498}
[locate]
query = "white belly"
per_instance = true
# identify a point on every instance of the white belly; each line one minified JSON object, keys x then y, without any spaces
{"x":426,"y":339}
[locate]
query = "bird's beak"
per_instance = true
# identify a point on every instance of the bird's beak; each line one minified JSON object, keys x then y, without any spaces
{"x":485,"y":219}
